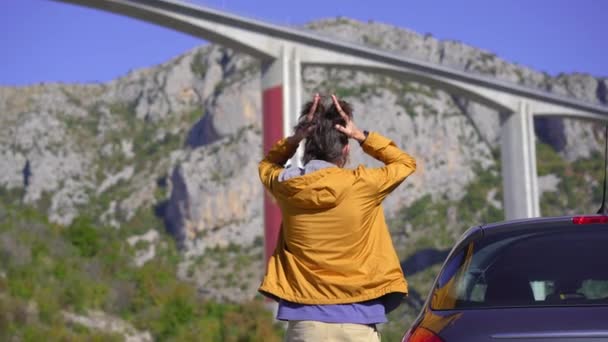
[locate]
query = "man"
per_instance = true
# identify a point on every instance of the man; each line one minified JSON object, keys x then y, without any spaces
{"x":335,"y":271}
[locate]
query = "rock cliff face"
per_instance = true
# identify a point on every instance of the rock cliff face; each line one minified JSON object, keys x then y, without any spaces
{"x":184,"y":137}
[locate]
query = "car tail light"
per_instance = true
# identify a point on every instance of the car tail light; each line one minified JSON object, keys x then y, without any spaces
{"x":421,"y":335}
{"x":590,"y":219}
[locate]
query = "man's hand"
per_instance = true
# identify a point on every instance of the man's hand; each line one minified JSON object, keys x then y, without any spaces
{"x":349,"y":129}
{"x":304,"y":130}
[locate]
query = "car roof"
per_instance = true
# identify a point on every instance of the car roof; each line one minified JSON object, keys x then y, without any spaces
{"x":532,"y":224}
{"x":528,"y":223}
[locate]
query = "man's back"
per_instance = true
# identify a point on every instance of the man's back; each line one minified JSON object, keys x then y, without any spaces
{"x":334,"y":245}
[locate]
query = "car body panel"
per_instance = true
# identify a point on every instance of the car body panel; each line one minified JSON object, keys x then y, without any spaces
{"x":564,"y":324}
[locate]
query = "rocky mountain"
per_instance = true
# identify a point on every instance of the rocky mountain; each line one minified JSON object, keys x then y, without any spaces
{"x":181,"y":141}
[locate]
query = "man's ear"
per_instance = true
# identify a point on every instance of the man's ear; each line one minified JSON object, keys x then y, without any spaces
{"x":345,"y":152}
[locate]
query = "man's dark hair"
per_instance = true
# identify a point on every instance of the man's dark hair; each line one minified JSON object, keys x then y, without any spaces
{"x":325,"y":142}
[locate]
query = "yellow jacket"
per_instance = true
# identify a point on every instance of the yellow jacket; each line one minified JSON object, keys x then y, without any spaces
{"x":334,"y":246}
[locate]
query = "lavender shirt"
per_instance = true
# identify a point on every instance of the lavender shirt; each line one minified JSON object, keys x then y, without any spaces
{"x":368,"y":312}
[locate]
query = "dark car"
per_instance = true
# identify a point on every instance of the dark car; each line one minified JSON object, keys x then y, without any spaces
{"x":542,"y":279}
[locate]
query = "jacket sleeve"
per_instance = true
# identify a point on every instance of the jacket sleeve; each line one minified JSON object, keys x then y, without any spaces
{"x":398,"y":165}
{"x":273,"y":163}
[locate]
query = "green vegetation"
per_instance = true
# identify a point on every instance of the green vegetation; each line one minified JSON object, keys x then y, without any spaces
{"x":83,"y":236}
{"x":429,"y":223}
{"x":335,"y":82}
{"x":198,"y":65}
{"x":47,"y":269}
{"x":151,"y":142}
{"x":579,"y":190}
{"x":372,"y":41}
{"x":148,"y":146}
{"x":235,"y":267}
{"x":487,"y":57}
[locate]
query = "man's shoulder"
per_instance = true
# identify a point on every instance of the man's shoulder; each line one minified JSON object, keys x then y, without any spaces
{"x":364,"y":172}
{"x":361,"y":168}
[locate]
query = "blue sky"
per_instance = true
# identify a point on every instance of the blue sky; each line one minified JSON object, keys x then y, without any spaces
{"x":46,"y":41}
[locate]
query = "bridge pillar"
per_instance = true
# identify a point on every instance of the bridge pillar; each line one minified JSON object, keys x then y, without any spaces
{"x":518,"y":154}
{"x":281,"y":94}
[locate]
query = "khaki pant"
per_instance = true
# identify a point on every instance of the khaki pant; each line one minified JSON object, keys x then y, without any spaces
{"x":313,"y":331}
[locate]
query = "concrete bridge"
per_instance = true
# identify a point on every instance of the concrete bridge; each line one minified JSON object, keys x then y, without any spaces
{"x":283,"y":51}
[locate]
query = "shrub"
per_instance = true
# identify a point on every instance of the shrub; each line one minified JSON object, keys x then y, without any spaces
{"x":83,"y":236}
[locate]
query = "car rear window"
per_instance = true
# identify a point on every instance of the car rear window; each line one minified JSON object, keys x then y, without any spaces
{"x":564,"y":266}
